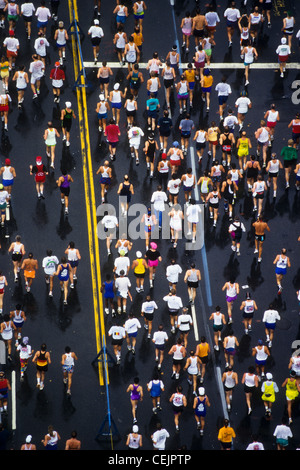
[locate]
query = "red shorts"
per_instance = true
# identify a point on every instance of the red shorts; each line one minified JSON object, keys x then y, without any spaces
{"x":283,"y":58}
{"x":11,"y":54}
{"x":2,"y":291}
{"x":175,"y":162}
{"x":271,"y":124}
{"x":215,"y":142}
{"x":4,"y":108}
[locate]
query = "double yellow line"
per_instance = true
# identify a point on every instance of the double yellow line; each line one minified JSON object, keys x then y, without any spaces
{"x":89,"y":194}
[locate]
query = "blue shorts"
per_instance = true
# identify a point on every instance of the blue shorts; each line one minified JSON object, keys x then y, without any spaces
{"x":270,"y":326}
{"x":132,"y":335}
{"x":116,"y":105}
{"x":42,"y":24}
{"x":7,"y":182}
{"x":121,"y":19}
{"x":231,"y":24}
{"x":280,"y":270}
{"x":222,"y":99}
{"x":102,"y":116}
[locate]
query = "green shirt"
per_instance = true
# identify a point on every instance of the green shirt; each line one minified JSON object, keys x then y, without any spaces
{"x":289,"y":153}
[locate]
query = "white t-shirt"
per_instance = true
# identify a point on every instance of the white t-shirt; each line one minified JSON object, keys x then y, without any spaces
{"x":122,"y":284}
{"x":223,"y":89}
{"x":193,"y":213}
{"x":109,"y":221}
{"x":27,"y":9}
{"x":149,"y":306}
{"x":11,"y":44}
{"x":49,"y":264}
{"x":43,"y":14}
{"x":132,"y":325}
{"x":184,"y":322}
{"x":242,"y":103}
{"x":174,"y":186}
{"x":158,"y":199}
{"x":37,"y":68}
{"x":172,"y":272}
{"x":159,"y":439}
{"x":282,"y":432}
{"x":283,"y":50}
{"x":134,"y":135}
{"x":96,"y":32}
{"x":230,"y":121}
{"x":174,"y":302}
{"x":3,"y":197}
{"x":117,"y":332}
{"x":122,"y":262}
{"x":232,"y":14}
{"x":160,"y":337}
{"x":40,"y":46}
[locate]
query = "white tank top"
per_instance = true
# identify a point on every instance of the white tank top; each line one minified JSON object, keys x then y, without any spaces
{"x":130,"y":106}
{"x":72,"y":255}
{"x":250,"y":380}
{"x":164,"y":168}
{"x":7,"y":174}
{"x":217,"y":318}
{"x":282,"y":262}
{"x":230,"y":342}
{"x":249,"y":55}
{"x":264,"y":136}
{"x":134,"y":442}
{"x":272,"y":116}
{"x":249,"y":306}
{"x":189,"y":181}
{"x":178,"y":399}
{"x":214,"y":198}
{"x":193,"y":368}
{"x":120,"y":43}
{"x":260,"y":354}
{"x":102,"y":107}
{"x":154,"y":85}
{"x":183,"y":88}
{"x":200,"y":137}
{"x":168,"y":73}
{"x":116,"y":96}
{"x":61,"y":37}
{"x":274,"y":166}
{"x":178,"y":354}
{"x":231,"y":290}
{"x":131,"y":53}
{"x":229,"y":381}
{"x":21,"y":82}
{"x":69,"y":360}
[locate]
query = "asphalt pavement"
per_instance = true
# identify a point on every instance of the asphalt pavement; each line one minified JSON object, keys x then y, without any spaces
{"x":42,"y":225}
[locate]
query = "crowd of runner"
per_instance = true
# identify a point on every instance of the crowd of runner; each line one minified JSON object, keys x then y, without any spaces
{"x":218,"y":179}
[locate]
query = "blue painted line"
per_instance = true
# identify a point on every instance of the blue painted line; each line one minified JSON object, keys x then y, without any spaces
{"x":206,"y":277}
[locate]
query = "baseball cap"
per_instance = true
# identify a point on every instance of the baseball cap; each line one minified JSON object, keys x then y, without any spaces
{"x":163,"y":156}
{"x":201,"y":391}
{"x":57,"y":64}
{"x":7,"y":161}
{"x":135,"y":428}
{"x":283,"y":40}
{"x":122,"y":252}
{"x":153,"y":245}
{"x":102,"y":97}
{"x":139,"y":254}
{"x":175,"y":143}
{"x":269,"y":376}
{"x":38,"y":159}
{"x":116,"y":86}
{"x":28,"y":439}
{"x":68,"y":104}
{"x":96,"y":21}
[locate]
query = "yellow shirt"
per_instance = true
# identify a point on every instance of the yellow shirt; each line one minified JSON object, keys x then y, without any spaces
{"x":226,"y":434}
{"x":207,"y":81}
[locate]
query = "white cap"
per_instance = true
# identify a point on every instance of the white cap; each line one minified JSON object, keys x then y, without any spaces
{"x":116,"y":86}
{"x":96,"y":21}
{"x":28,"y":439}
{"x":102,"y":97}
{"x":283,"y":40}
{"x":269,"y":376}
{"x":139,"y":254}
{"x":201,"y":390}
{"x":135,"y":428}
{"x":68,"y":104}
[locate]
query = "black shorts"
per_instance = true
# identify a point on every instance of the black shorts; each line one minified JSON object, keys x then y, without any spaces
{"x":65,"y":191}
{"x":290,"y":163}
{"x":193,"y":284}
{"x":95,"y":41}
{"x":117,"y":342}
{"x":260,"y":238}
{"x":67,"y":124}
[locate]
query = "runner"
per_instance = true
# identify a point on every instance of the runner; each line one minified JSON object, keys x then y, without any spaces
{"x":61,"y":37}
{"x":232,"y":290}
{"x":66,"y":117}
{"x":273,"y":167}
{"x":230,"y":380}
{"x":261,"y":354}
{"x":3,"y":284}
{"x":131,"y":109}
{"x":176,"y":221}
{"x":43,"y":16}
{"x":42,"y":359}
{"x":262,"y":135}
{"x":282,"y":433}
{"x":153,"y":257}
{"x":29,"y":265}
{"x":50,"y":136}
{"x":134,"y":440}
{"x":232,"y":14}
{"x":193,"y":216}
{"x":159,"y":339}
{"x":292,"y":390}
{"x":218,"y":324}
{"x":272,"y":118}
{"x":173,"y":188}
{"x":243,"y":146}
{"x":186,"y":29}
{"x":73,"y":256}
{"x":186,"y":126}
{"x":192,"y":278}
{"x":155,"y":387}
{"x":269,"y":389}
{"x":182,"y":90}
{"x":250,"y":382}
{"x":63,"y":183}
{"x":57,"y":76}
{"x":22,"y":80}
{"x":184,"y":324}
{"x":152,"y":107}
{"x":243,"y":104}
{"x":63,"y":273}
{"x":203,"y":352}
{"x":206,"y":85}
{"x":174,"y":304}
{"x":25,"y":352}
{"x":139,"y":8}
{"x":73,"y":443}
{"x":68,"y":362}
{"x":164,"y":127}
{"x":18,"y":251}
{"x":192,"y":366}
{"x":96,"y":34}
{"x":226,"y":435}
{"x":260,"y":227}
{"x":122,"y":285}
{"x":200,"y":404}
{"x":290,"y":156}
{"x":104,"y":73}
{"x":5,"y":387}
{"x":226,"y":141}
{"x":248,"y":306}
{"x":258,"y":192}
{"x":135,"y":133}
{"x":125,"y":191}
{"x":283,"y":51}
{"x":224,"y":90}
{"x":236,"y":229}
{"x":112,"y":133}
{"x":27,"y":12}
{"x":120,"y":40}
{"x":150,"y":149}
{"x":49,"y":264}
{"x":159,"y":437}
{"x":147,"y":311}
{"x":131,"y":326}
{"x":213,"y":140}
{"x":7,"y":328}
{"x":228,"y":190}
{"x":136,"y":395}
{"x":51,"y":439}
{"x":130,"y":53}
{"x":200,"y":138}
{"x":118,"y":334}
{"x":37,"y":70}
{"x":40,"y":46}
{"x":105,"y":172}
{"x":198,"y":25}
{"x":115,"y":98}
{"x":178,"y":352}
{"x":179,"y":402}
{"x":251,"y":169}
{"x":4,"y":203}
{"x":282,"y":262}
{"x":269,"y":319}
{"x":110,"y":223}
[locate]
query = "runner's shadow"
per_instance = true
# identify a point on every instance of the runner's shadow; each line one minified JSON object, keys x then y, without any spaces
{"x":64,"y":227}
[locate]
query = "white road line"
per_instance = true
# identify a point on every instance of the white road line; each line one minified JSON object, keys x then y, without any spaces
{"x":13,"y":401}
{"x":218,"y":65}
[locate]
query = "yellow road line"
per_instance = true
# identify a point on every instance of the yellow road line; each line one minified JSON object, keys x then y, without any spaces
{"x":89,"y":197}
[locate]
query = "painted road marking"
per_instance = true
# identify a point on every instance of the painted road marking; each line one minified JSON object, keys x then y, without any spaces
{"x":89,"y":194}
{"x":218,"y":65}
